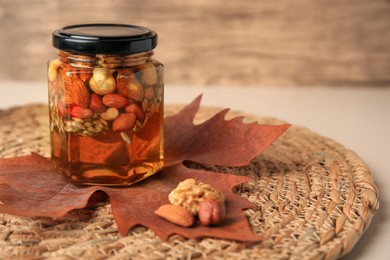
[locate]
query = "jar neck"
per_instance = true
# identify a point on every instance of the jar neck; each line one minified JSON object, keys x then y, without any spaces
{"x":103,"y":60}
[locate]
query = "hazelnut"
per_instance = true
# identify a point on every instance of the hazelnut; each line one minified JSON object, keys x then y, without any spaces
{"x":102,"y":81}
{"x":211,"y":212}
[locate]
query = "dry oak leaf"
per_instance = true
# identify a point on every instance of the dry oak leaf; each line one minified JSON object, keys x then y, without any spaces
{"x":29,"y":186}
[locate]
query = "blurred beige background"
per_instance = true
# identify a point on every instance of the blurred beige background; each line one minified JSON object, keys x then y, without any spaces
{"x":219,"y":42}
{"x":277,"y":49}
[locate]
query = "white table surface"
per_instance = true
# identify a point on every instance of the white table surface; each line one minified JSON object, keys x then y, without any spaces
{"x":358,"y":118}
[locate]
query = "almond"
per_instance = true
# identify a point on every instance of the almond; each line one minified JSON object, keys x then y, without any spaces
{"x":80,"y":112}
{"x":63,"y":109}
{"x":211,"y":212}
{"x":129,"y":86}
{"x":96,"y":104}
{"x":134,"y":108}
{"x":74,"y":90}
{"x":84,"y":74}
{"x":124,"y":122}
{"x":115,"y":100}
{"x":175,"y":214}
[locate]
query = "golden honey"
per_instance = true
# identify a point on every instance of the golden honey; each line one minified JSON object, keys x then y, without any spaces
{"x":106,"y":104}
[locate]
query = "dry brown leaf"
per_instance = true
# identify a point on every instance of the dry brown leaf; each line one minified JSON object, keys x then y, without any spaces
{"x":29,"y":186}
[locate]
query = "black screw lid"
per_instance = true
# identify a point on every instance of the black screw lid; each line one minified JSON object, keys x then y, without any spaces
{"x":105,"y":39}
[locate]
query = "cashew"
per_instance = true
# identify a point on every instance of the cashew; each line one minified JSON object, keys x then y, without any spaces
{"x":52,"y":72}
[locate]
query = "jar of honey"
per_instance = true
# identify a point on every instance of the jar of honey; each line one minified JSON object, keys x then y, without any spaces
{"x":106,"y":104}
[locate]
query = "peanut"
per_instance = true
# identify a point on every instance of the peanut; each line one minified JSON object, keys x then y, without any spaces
{"x":124,"y":122}
{"x":115,"y":100}
{"x":134,"y":108}
{"x":110,"y":114}
{"x":149,"y":74}
{"x":96,"y":104}
{"x":81,"y":112}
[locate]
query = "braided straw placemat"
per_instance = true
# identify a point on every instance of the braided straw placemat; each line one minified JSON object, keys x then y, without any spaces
{"x":314,"y":200}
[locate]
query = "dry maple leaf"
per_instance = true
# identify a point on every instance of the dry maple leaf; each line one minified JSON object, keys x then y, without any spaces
{"x":30,"y":186}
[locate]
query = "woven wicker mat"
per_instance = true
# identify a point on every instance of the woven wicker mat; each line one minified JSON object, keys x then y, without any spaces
{"x":314,"y":200}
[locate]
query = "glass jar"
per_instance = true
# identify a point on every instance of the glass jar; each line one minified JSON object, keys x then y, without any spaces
{"x":106,"y":104}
